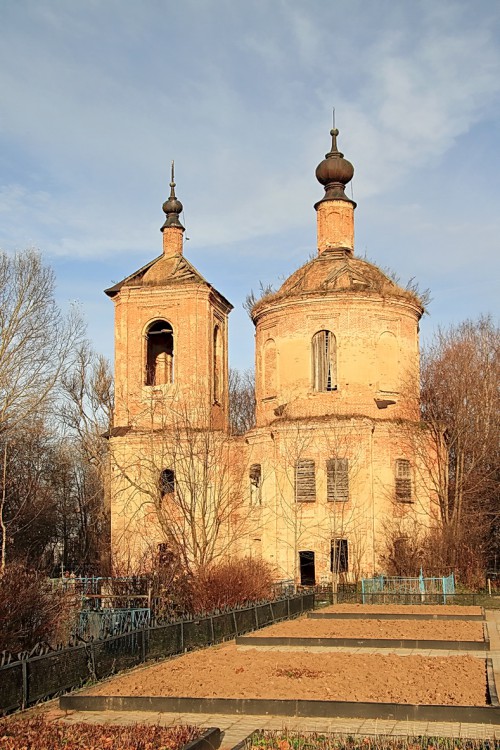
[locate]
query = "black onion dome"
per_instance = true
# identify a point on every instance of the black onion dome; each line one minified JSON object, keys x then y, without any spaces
{"x":172,"y":207}
{"x":334,"y":172}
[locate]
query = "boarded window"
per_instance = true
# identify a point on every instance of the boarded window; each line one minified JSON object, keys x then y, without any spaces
{"x":167,"y":482}
{"x":324,"y":361}
{"x":337,"y":480}
{"x":255,"y":475}
{"x":305,"y":481}
{"x":159,"y":353}
{"x":403,"y":480}
{"x":339,"y":556}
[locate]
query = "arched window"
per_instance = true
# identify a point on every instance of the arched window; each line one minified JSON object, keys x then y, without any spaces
{"x":159,"y":353}
{"x":324,"y":361}
{"x":217,"y":365}
{"x":167,"y":482}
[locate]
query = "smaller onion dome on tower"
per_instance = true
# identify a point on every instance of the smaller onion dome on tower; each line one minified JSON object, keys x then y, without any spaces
{"x":334,"y":172}
{"x":172,"y":207}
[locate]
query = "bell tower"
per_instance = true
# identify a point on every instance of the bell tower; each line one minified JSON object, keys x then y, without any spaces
{"x":170,"y":339}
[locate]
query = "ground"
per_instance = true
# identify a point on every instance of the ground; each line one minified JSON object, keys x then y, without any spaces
{"x":439,"y":630}
{"x":229,"y":671}
{"x":403,"y":609}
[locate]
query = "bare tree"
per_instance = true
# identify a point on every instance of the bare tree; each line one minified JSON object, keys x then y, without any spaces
{"x":460,"y":397}
{"x":36,"y":341}
{"x":315,"y":466}
{"x":241,"y":401}
{"x":86,"y":411}
{"x":456,"y":447}
{"x":36,"y":347}
{"x":28,"y":506}
{"x":180,"y":485}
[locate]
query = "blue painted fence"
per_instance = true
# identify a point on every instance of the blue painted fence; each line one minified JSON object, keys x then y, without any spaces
{"x":407,"y":590}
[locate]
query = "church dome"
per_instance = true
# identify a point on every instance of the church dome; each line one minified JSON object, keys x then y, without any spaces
{"x":336,"y":272}
{"x":334,"y":172}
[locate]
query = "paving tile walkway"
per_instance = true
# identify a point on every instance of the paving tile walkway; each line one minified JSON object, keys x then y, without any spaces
{"x":236,"y":728}
{"x":493,"y":623}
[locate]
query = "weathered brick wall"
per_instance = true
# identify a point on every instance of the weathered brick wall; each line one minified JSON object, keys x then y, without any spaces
{"x":358,"y":322}
{"x":191,"y":311}
{"x":280,"y":527}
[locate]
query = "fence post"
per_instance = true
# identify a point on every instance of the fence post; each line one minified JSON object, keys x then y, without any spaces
{"x":235,"y":625}
{"x":24,"y":665}
{"x":256,"y":617}
{"x":288,"y":607}
{"x":92,"y":661}
{"x":212,"y":629}
{"x":182,"y":636}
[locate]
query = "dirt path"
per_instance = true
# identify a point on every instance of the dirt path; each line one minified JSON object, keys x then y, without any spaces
{"x":223,"y":672}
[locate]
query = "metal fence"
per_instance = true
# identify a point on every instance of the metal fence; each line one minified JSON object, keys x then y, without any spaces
{"x":352,"y":594}
{"x":33,"y":678}
{"x":392,"y":590}
{"x":99,"y":624}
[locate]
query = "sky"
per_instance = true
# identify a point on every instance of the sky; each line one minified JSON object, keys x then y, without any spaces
{"x":98,"y":96}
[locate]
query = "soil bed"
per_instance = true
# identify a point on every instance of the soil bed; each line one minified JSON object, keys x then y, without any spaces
{"x":223,"y":672}
{"x":419,"y":630}
{"x":403,"y":609}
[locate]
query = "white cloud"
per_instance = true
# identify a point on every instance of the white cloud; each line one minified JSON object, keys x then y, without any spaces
{"x":241,"y":99}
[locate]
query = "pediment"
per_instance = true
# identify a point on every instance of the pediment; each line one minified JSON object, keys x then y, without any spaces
{"x":170,"y":270}
{"x":345,"y":277}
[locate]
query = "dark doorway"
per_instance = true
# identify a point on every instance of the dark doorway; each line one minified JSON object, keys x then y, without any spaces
{"x":307,"y":571}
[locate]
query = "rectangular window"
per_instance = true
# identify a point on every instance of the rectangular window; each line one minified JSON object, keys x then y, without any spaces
{"x":255,"y":475}
{"x":337,"y":480}
{"x":403,"y":480}
{"x":305,"y":481}
{"x":339,"y":556}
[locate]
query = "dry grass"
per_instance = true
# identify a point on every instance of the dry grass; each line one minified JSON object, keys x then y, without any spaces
{"x":289,"y":740}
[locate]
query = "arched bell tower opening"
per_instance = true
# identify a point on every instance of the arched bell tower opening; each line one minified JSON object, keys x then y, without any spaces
{"x":159,"y":353}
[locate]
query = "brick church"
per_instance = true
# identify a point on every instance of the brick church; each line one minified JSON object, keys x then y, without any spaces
{"x":337,"y":465}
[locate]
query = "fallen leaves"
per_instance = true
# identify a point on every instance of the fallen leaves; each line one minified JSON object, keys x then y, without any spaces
{"x":38,"y":734}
